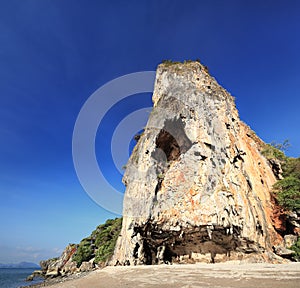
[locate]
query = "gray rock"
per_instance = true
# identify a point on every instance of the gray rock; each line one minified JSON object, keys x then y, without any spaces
{"x":294,"y":219}
{"x":69,"y":268}
{"x":36,"y":273}
{"x":30,"y":278}
{"x":289,"y":240}
{"x":196,"y":182}
{"x":52,"y":273}
{"x":276,"y":168}
{"x":62,"y":265}
{"x":86,"y":266}
{"x":283,"y":252}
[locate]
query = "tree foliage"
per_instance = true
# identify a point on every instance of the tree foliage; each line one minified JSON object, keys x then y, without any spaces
{"x":106,"y":238}
{"x":84,"y":252}
{"x":287,"y":190}
{"x":271,"y":151}
{"x":100,"y":244}
{"x":291,"y":167}
{"x":281,"y":146}
{"x":296,"y":249}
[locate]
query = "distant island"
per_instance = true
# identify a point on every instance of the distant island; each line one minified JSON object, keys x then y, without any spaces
{"x":22,"y":265}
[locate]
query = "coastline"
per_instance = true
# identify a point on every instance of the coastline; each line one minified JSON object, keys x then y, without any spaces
{"x":225,"y":275}
{"x":58,"y":280}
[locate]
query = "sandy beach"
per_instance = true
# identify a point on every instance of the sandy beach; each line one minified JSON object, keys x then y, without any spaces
{"x":191,"y":276}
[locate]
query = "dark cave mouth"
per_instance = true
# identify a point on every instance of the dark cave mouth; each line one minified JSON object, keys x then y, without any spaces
{"x":179,"y":246}
{"x":171,"y":141}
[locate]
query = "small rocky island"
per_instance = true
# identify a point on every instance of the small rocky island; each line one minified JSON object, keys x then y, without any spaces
{"x":199,"y":186}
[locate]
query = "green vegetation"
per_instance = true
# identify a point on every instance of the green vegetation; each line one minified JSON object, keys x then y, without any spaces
{"x":160,"y":176}
{"x":291,"y":167}
{"x":84,"y":252}
{"x":286,"y":190}
{"x":271,"y":152}
{"x":189,"y":61}
{"x":170,"y":62}
{"x":296,"y":248}
{"x":106,"y":236}
{"x":100,"y":244}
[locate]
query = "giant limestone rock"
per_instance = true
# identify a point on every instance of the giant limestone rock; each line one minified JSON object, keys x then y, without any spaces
{"x":197,"y":186}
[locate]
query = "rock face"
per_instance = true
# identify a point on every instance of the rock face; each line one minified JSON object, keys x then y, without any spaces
{"x":198,"y":188}
{"x":60,"y":266}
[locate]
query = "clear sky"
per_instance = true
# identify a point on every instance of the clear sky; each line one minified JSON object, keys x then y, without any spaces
{"x":55,"y":53}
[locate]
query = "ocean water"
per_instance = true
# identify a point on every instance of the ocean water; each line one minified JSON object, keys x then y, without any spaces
{"x":13,"y":278}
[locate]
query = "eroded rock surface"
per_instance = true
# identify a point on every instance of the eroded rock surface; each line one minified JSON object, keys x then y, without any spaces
{"x":198,"y":188}
{"x":55,"y":267}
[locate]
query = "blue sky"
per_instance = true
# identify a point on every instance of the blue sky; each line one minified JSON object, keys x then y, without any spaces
{"x":55,"y":53}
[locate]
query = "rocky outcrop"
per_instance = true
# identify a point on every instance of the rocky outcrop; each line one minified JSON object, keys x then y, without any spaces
{"x":87,"y":266}
{"x":197,"y":186}
{"x":59,"y":266}
{"x":276,"y":168}
{"x":55,"y":267}
{"x":284,"y":252}
{"x":92,"y":252}
{"x":293,"y":221}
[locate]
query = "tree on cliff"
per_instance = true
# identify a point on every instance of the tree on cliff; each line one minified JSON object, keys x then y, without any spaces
{"x":287,"y":190}
{"x":100,"y":244}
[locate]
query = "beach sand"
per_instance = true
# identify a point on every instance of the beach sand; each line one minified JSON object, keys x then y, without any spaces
{"x":191,"y":276}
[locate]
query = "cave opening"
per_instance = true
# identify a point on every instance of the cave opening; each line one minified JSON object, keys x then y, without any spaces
{"x":171,"y":141}
{"x":186,"y":245}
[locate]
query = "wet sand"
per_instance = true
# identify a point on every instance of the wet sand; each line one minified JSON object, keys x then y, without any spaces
{"x":191,"y":276}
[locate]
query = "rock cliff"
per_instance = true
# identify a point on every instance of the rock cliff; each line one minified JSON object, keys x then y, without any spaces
{"x":197,"y":186}
{"x":91,"y":253}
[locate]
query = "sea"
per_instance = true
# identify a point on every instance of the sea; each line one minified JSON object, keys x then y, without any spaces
{"x":15,"y":277}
